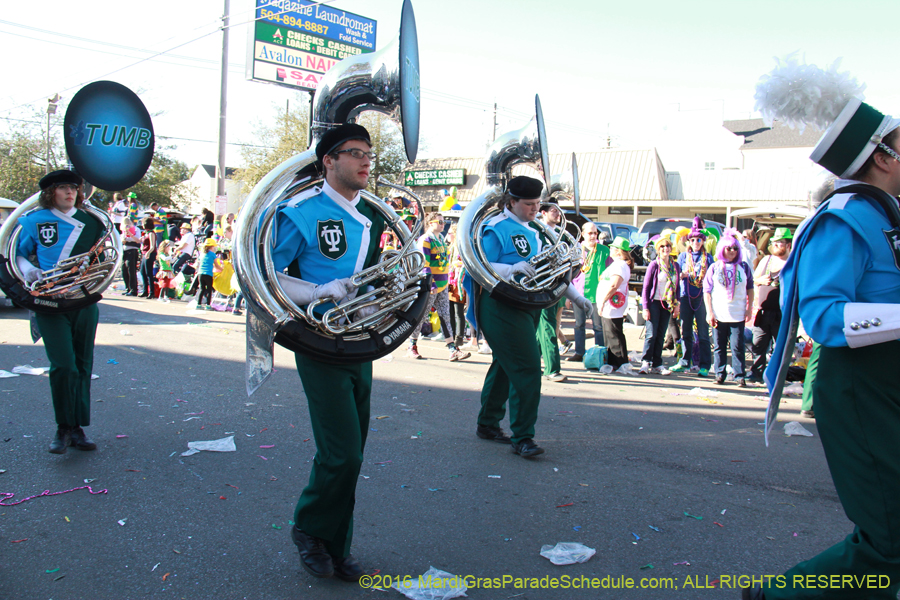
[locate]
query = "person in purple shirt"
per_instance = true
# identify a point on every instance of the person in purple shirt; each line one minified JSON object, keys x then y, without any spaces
{"x":728,"y":295}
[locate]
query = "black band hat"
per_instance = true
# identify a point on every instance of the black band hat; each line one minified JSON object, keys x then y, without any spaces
{"x":333,"y":138}
{"x":524,"y":188}
{"x":60,"y":177}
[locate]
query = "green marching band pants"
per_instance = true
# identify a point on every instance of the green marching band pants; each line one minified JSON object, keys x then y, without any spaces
{"x":515,"y":371}
{"x":69,"y":343}
{"x":546,"y":336}
{"x":857,"y":404}
{"x":338,"y":397}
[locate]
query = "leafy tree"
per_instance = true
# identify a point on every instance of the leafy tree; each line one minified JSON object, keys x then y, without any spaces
{"x":159,"y":184}
{"x":287,"y":136}
{"x":23,"y":156}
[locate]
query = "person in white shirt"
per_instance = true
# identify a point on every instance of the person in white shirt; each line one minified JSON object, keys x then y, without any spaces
{"x":184,"y":248}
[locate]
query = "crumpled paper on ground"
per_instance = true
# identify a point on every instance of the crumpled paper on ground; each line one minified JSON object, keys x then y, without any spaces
{"x":29,"y":370}
{"x":433,"y":584}
{"x":5,"y":374}
{"x":225,"y":444}
{"x":795,"y":428}
{"x":567,"y":553}
{"x":697,"y":391}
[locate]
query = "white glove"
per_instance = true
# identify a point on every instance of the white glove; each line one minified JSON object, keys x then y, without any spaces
{"x":365,"y":311}
{"x":336,"y":290}
{"x":523,"y":268}
{"x":29,"y":271}
{"x":584,"y":304}
{"x":579,"y":300}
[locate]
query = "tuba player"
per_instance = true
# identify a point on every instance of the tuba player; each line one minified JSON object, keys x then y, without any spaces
{"x":324,"y":236}
{"x":61,"y":230}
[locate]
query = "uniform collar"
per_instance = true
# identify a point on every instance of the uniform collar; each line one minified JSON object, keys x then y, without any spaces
{"x":512,"y":216}
{"x":334,"y":195}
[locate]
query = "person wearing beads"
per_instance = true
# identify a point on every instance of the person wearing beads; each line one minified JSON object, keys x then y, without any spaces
{"x":515,"y":372}
{"x":659,"y":301}
{"x":60,"y":230}
{"x":694,"y":263}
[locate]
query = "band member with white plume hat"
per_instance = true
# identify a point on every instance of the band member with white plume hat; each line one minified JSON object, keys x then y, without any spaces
{"x":843,"y":281}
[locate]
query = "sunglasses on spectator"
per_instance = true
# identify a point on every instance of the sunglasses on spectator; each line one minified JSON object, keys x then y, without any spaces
{"x":731,"y":248}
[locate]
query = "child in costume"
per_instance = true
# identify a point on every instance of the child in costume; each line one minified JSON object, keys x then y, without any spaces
{"x":166,"y":276}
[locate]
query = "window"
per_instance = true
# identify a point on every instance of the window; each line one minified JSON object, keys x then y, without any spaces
{"x":710,"y":166}
{"x":629,"y":210}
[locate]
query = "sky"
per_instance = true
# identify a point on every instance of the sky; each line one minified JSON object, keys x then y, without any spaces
{"x":607,"y":73}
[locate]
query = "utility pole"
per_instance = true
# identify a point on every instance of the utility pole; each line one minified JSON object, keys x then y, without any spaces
{"x":51,"y":110}
{"x":223,"y":101}
{"x":494,"y":134}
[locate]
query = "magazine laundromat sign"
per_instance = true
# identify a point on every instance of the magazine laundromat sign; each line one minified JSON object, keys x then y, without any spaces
{"x":293,"y":42}
{"x":109,"y":135}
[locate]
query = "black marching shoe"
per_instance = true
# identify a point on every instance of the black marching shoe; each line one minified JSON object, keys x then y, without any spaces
{"x":80,"y":440}
{"x":752,"y":594}
{"x":313,"y":556}
{"x":527,"y":448}
{"x":720,"y":380}
{"x":61,"y":440}
{"x":347,"y":568}
{"x":495,"y":434}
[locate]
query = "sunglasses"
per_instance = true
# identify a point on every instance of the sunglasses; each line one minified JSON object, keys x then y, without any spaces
{"x":731,"y":248}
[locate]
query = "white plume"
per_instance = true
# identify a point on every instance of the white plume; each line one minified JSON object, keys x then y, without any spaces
{"x":800,"y":94}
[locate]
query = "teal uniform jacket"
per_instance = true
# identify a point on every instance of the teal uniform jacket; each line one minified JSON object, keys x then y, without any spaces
{"x":515,"y":371}
{"x":68,"y":336}
{"x":320,"y":236}
{"x":845,"y":269}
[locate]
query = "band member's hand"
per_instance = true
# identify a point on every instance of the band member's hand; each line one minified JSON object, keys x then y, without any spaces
{"x":364,"y":312}
{"x":336,"y":290}
{"x":32,"y":275}
{"x":584,"y":304}
{"x":523,"y":268}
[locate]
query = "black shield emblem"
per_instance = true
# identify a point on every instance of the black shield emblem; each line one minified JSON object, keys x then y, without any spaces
{"x":48,"y":234}
{"x":332,"y":239}
{"x":893,"y":240}
{"x":520,"y":242}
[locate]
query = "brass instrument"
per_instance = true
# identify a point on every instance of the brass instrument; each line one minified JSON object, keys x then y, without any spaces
{"x":553,"y":265}
{"x":72,"y":283}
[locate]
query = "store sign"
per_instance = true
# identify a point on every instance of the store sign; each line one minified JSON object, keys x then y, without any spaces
{"x":294,"y":42}
{"x":435,"y":177}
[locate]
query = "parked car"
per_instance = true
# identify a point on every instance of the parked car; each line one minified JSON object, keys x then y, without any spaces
{"x":613,"y":230}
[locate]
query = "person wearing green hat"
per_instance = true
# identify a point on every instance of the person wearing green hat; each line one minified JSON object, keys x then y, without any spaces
{"x":612,"y":301}
{"x":767,"y":313}
{"x":848,"y":301}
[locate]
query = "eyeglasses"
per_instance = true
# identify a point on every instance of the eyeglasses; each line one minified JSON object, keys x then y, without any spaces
{"x":357,"y":153}
{"x":661,"y":246}
{"x":734,"y":248}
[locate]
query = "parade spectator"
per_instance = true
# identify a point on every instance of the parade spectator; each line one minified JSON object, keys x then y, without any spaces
{"x":748,"y":245}
{"x":612,"y":299}
{"x":437,"y":264}
{"x":206,"y":271}
{"x":133,"y":208}
{"x":728,"y":295}
{"x":165,"y":276}
{"x":148,"y":252}
{"x":184,"y":249}
{"x":694,"y":264}
{"x":119,"y":210}
{"x":131,"y":248}
{"x":456,"y":292}
{"x":594,"y":257}
{"x":161,"y":223}
{"x":69,"y":335}
{"x":660,"y":302}
{"x":767,"y":311}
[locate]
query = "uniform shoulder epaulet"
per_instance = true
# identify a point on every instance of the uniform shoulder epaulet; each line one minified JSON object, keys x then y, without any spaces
{"x":839,"y":201}
{"x":303,"y":196}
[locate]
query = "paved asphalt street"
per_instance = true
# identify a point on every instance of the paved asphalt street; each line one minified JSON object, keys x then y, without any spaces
{"x":635,"y":468}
